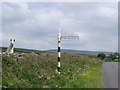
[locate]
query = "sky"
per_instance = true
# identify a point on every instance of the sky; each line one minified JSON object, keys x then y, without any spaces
{"x":34,"y":25}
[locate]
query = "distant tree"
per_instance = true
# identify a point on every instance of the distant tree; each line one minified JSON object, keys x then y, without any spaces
{"x":117,"y":55}
{"x":111,"y":57}
{"x":114,"y":56}
{"x":101,"y":56}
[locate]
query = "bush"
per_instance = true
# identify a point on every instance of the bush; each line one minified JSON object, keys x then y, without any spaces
{"x":101,"y":56}
{"x":114,"y":56}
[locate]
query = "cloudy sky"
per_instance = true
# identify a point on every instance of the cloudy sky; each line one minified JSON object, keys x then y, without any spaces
{"x":35,"y":25}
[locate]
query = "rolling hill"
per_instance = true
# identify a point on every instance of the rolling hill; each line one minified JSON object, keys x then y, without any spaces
{"x":80,"y":52}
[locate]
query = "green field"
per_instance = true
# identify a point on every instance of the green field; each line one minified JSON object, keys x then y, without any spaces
{"x":22,"y":50}
{"x":38,"y":71}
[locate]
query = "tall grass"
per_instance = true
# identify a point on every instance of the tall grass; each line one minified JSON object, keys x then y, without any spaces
{"x":77,"y":71}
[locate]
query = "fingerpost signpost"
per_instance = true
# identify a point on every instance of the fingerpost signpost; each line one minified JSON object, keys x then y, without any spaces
{"x":59,"y":45}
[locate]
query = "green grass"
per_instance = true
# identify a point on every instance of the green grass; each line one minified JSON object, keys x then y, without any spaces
{"x":113,"y":61}
{"x":77,"y":71}
{"x":0,"y":71}
{"x":110,"y":60}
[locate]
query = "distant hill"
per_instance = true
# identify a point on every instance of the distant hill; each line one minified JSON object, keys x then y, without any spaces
{"x":81,"y":52}
{"x":22,"y":50}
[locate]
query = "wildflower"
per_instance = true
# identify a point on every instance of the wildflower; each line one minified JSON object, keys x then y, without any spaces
{"x":56,"y":71}
{"x":48,"y":77}
{"x":45,"y":86}
{"x":39,"y":77}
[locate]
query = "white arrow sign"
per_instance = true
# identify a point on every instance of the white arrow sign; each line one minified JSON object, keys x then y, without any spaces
{"x":69,"y":37}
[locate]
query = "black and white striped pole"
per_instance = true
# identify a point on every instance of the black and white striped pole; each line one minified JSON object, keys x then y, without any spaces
{"x":59,"y":45}
{"x":59,"y":54}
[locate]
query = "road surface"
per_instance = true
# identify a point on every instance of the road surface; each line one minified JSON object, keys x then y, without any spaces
{"x":110,"y":74}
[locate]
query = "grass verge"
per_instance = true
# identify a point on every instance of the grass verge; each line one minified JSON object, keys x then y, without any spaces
{"x":77,"y":71}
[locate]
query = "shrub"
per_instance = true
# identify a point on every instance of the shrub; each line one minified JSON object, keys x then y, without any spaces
{"x":101,"y":56}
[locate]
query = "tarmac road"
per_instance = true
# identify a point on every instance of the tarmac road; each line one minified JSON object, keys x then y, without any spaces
{"x":110,"y":74}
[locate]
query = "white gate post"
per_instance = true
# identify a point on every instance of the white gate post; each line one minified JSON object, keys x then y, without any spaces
{"x":10,"y":49}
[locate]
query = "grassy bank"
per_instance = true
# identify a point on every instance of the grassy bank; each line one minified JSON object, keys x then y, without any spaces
{"x":77,"y":71}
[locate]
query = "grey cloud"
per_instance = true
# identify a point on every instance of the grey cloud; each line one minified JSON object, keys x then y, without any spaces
{"x":39,"y":23}
{"x":15,"y":12}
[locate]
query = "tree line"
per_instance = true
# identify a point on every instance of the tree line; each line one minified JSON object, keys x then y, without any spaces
{"x":111,"y":57}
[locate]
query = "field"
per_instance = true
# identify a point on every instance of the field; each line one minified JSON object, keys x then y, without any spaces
{"x":39,"y":71}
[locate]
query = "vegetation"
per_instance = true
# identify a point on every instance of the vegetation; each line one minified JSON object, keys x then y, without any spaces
{"x":114,"y":57}
{"x":101,"y":56}
{"x":0,"y":71}
{"x":39,"y":71}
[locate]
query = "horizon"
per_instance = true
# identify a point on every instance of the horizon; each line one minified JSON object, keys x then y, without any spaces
{"x":57,"y":49}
